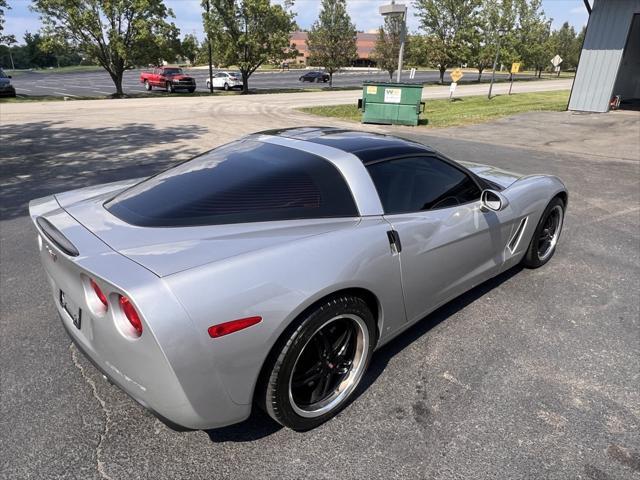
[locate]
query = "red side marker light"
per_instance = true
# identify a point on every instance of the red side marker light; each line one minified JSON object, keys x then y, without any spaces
{"x":132,"y":315}
{"x":226,"y":328}
{"x":101,"y":296}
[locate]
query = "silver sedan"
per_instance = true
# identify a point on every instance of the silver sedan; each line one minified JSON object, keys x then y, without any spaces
{"x":266,"y":272}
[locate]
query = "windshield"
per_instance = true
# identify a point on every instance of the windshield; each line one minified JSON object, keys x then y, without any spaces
{"x":245,"y":181}
{"x":172,"y":71}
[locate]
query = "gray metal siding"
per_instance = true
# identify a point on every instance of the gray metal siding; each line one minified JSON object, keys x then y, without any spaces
{"x":604,"y":44}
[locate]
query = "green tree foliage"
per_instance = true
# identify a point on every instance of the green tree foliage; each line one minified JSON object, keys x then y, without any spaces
{"x":248,"y":33}
{"x":7,"y":40}
{"x":534,"y":44}
{"x":189,"y":48}
{"x":387,"y":47}
{"x":564,"y":43}
{"x":118,"y":34}
{"x":450,"y":26}
{"x":416,"y":51}
{"x":332,"y":38}
{"x":495,"y":18}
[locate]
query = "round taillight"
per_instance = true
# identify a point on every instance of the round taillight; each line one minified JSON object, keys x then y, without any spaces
{"x":132,"y":315}
{"x":101,"y":296}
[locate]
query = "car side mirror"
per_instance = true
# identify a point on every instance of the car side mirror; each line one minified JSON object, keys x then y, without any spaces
{"x":494,"y":201}
{"x":9,"y":76}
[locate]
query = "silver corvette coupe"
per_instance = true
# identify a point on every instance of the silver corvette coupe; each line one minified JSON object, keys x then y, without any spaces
{"x":267,"y":271}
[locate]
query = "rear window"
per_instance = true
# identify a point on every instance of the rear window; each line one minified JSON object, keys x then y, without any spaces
{"x":245,"y":181}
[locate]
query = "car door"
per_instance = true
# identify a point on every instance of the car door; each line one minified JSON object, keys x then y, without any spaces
{"x":218,"y":80}
{"x":447,"y":243}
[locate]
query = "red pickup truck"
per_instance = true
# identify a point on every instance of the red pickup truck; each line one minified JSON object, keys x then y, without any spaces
{"x":168,"y":78}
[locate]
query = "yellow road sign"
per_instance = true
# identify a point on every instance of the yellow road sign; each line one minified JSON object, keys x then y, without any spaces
{"x":456,"y":75}
{"x":515,"y":67}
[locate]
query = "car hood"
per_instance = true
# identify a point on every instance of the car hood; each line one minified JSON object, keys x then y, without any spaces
{"x":504,"y":178}
{"x":168,"y":250}
{"x":180,"y":76}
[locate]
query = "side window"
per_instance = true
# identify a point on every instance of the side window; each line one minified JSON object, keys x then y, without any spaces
{"x":421,"y":183}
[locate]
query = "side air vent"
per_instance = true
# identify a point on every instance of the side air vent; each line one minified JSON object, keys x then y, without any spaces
{"x":515,"y":240}
{"x":58,"y":239}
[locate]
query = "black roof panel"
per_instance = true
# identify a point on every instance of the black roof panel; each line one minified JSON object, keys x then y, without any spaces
{"x":367,"y":146}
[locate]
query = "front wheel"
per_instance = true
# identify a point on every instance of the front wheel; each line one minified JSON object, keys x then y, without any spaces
{"x":226,"y":87}
{"x":147,"y":86}
{"x":546,"y":235}
{"x":170,"y":88}
{"x":192,"y":89}
{"x":321,"y":363}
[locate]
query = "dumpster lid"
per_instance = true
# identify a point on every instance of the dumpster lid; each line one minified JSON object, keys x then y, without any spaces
{"x":392,"y":84}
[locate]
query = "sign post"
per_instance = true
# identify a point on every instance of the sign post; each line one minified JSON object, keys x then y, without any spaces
{"x":515,"y":68}
{"x":456,"y":75}
{"x":556,"y":61}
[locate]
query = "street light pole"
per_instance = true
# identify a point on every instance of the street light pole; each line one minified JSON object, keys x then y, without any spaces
{"x":495,"y":63}
{"x":397,"y":10}
{"x":210,"y":57}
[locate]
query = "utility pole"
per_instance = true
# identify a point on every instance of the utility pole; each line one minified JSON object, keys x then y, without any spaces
{"x":495,"y":62}
{"x":210,"y":57}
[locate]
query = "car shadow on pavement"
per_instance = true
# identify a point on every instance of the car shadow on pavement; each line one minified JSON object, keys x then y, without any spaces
{"x":260,"y":425}
{"x":382,"y":357}
{"x":257,"y":426}
{"x":41,"y":158}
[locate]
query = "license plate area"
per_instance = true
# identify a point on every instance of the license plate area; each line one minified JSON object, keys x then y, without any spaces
{"x":73,"y":310}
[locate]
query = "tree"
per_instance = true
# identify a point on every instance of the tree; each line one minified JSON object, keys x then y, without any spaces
{"x":248,"y":33}
{"x":5,"y":40}
{"x":497,"y":17}
{"x":450,"y":26}
{"x":387,"y":47}
{"x":534,"y":44}
{"x":564,"y":44}
{"x":416,"y":51}
{"x":189,"y":48}
{"x":118,"y":34}
{"x":332,"y":38}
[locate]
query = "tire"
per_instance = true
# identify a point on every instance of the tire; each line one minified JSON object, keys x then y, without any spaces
{"x":170,"y":88}
{"x":226,"y":87}
{"x":346,"y":327}
{"x":192,"y":89}
{"x":147,"y":86}
{"x":546,"y":235}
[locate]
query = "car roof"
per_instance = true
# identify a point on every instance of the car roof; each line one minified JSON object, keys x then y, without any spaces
{"x":369,"y":147}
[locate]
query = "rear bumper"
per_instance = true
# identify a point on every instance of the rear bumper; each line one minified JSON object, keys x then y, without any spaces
{"x":168,"y":369}
{"x":114,"y":381}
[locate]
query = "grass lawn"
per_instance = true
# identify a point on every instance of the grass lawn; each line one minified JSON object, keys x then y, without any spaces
{"x":464,"y":110}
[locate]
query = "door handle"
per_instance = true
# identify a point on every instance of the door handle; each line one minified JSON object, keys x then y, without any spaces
{"x":394,"y":241}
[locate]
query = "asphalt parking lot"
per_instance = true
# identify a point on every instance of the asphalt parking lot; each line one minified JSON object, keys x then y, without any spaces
{"x":532,"y":375}
{"x":97,"y":84}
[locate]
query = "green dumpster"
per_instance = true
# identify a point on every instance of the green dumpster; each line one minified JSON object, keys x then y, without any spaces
{"x":391,"y":103}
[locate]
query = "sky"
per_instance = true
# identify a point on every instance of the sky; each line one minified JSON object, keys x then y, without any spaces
{"x":364,"y":13}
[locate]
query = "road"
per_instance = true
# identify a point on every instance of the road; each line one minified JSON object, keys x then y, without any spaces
{"x":531,"y":375}
{"x":97,"y":84}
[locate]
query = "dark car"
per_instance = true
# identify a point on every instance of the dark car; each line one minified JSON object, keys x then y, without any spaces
{"x":6,"y":89}
{"x":315,"y":77}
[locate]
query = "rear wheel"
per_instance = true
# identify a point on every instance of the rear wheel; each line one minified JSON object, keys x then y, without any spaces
{"x":147,"y":85}
{"x":192,"y":89}
{"x":226,"y":87}
{"x":321,"y":364}
{"x":546,"y":235}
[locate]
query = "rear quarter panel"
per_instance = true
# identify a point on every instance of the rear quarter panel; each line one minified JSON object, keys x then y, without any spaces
{"x":278,"y":284}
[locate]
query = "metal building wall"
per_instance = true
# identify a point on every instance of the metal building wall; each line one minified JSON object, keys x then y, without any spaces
{"x":602,"y":51}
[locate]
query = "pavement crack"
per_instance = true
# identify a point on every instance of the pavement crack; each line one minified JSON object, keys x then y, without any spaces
{"x":100,"y":465}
